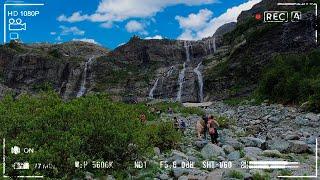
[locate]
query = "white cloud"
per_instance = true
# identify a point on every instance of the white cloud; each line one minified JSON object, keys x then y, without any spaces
{"x":75,"y":17}
{"x":187,"y":35}
{"x":135,"y":26}
{"x":86,"y":40}
{"x":120,"y":10}
{"x":107,"y":25}
{"x":210,"y":28}
{"x":154,"y":37}
{"x":58,"y":38}
{"x":195,"y":21}
{"x":53,"y":33}
{"x":71,"y":31}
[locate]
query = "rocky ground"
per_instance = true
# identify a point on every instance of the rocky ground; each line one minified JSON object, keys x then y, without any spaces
{"x":264,"y":132}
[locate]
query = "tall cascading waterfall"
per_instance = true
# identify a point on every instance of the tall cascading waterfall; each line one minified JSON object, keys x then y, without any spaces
{"x":209,"y":42}
{"x":83,"y":88}
{"x":170,"y":71}
{"x":214,"y":44}
{"x":151,"y":96}
{"x":210,"y":46}
{"x":200,"y":81}
{"x":187,"y":47}
{"x":181,"y":80}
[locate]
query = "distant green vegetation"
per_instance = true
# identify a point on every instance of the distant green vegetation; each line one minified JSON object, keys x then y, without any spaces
{"x":293,"y":79}
{"x":84,"y":129}
{"x":177,"y":108}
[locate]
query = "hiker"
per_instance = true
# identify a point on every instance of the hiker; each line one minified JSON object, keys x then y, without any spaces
{"x":200,"y":127}
{"x":143,"y":118}
{"x":205,"y":130}
{"x":212,"y":127}
{"x":175,"y":123}
{"x":182,"y":126}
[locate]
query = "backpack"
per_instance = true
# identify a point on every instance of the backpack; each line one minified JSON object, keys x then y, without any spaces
{"x":183,"y":124}
{"x":211,"y":129}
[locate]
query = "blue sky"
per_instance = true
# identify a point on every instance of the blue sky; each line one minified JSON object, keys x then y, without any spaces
{"x":112,"y":22}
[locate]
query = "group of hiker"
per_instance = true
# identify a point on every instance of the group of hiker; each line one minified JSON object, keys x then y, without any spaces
{"x":211,"y":127}
{"x":179,"y":124}
{"x":206,"y":125}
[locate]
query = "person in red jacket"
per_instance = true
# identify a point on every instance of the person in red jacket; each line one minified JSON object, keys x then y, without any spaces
{"x":212,"y":127}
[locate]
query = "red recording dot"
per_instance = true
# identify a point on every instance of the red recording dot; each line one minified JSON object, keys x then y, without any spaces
{"x":258,"y":16}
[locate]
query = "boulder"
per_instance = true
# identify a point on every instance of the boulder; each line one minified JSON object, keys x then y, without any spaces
{"x":312,"y":117}
{"x":183,"y":178}
{"x":234,"y":156}
{"x":252,"y":142}
{"x":278,"y":144}
{"x":301,"y":121}
{"x":177,"y":172}
{"x":234,"y":143}
{"x":292,"y":137}
{"x":271,"y":153}
{"x":200,"y":143}
{"x":89,"y":176}
{"x":157,"y":151}
{"x":274,"y":119}
{"x":212,"y":151}
{"x":110,"y":177}
{"x":298,"y":147}
{"x":311,"y":140}
{"x":178,"y":155}
{"x":252,"y":152}
{"x":228,"y":149}
{"x":164,"y":176}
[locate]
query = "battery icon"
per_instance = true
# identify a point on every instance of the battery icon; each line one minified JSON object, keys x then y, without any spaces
{"x":21,"y":165}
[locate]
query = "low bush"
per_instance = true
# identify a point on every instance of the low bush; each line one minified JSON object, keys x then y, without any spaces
{"x":177,"y":108}
{"x":292,"y":79}
{"x":84,"y":129}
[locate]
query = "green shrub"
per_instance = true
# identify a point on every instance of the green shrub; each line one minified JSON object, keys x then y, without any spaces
{"x":55,"y":53}
{"x":177,"y":108}
{"x":292,"y":79}
{"x":163,"y":135}
{"x":261,"y":176}
{"x":224,"y":122}
{"x":236,"y":174}
{"x":84,"y":129}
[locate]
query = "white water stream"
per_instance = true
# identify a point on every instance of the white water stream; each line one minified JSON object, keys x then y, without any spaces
{"x":83,"y":88}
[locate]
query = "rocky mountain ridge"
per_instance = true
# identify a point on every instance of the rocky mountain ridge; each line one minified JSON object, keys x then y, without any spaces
{"x":228,"y":64}
{"x":138,"y":65}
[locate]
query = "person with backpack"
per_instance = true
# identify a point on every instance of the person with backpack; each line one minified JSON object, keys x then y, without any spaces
{"x":212,"y":127}
{"x":176,"y":123}
{"x":143,"y":118}
{"x":182,"y":126}
{"x":205,"y":128}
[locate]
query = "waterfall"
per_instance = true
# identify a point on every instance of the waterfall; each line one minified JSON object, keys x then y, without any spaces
{"x":200,"y":81}
{"x":83,"y":88}
{"x":153,"y":89}
{"x":214,"y":44}
{"x":170,"y":71}
{"x":210,"y":45}
{"x":186,"y":46}
{"x":181,"y":80}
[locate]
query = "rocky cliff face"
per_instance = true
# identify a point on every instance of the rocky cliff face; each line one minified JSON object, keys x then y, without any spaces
{"x":31,"y":68}
{"x":231,"y":63}
{"x":253,"y":46}
{"x":154,"y":69}
{"x":140,"y":69}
